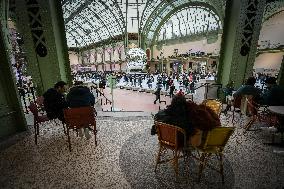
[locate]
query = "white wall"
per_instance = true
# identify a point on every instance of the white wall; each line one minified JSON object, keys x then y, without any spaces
{"x":273,"y":31}
{"x":183,"y":48}
{"x":269,"y":61}
{"x":73,"y":58}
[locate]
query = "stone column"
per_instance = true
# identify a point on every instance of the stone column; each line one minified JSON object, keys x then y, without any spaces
{"x":12,"y":118}
{"x":42,"y":26}
{"x":239,"y":41}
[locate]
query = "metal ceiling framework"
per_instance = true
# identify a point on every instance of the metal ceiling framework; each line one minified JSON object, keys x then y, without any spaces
{"x":189,"y":24}
{"x":92,"y":21}
{"x":166,"y":9}
{"x":273,"y":8}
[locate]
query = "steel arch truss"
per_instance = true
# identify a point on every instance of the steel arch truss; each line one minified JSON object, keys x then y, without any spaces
{"x":156,"y":15}
{"x":272,"y":8}
{"x":93,"y":21}
{"x":190,"y":21}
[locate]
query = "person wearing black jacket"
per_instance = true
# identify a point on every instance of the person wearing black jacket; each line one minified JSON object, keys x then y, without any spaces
{"x":80,"y":96}
{"x":158,"y":95}
{"x":54,"y":101}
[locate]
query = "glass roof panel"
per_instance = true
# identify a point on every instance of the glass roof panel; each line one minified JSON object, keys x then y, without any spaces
{"x":102,"y":19}
{"x":189,"y":21}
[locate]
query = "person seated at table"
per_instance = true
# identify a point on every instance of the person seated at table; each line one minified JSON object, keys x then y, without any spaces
{"x":80,"y":96}
{"x":54,"y":101}
{"x":248,"y":89}
{"x":194,"y":119}
{"x":175,"y":114}
{"x":203,"y":119}
{"x":274,"y":95}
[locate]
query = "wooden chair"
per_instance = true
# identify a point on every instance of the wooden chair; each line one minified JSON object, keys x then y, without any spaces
{"x":38,"y":119}
{"x":259,"y":113}
{"x":77,"y":118}
{"x":240,"y":105}
{"x":213,"y":143}
{"x":214,"y":104}
{"x":172,"y":138}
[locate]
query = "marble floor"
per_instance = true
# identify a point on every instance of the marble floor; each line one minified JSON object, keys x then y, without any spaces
{"x":125,"y":158}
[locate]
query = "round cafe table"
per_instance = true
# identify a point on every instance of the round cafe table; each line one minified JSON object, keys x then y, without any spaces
{"x":279,"y":112}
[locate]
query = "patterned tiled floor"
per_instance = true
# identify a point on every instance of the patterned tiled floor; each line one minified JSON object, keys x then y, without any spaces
{"x":124,"y":158}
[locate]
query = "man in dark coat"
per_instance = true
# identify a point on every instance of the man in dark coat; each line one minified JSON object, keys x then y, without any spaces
{"x":158,"y":95}
{"x":172,"y":89}
{"x":54,"y":101}
{"x":80,"y":96}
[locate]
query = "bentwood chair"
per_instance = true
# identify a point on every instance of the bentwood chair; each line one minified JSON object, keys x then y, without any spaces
{"x":259,"y":113}
{"x":214,"y":143}
{"x":77,"y":118}
{"x":38,"y":119}
{"x":213,"y":104}
{"x":170,"y":138}
{"x":239,"y":106}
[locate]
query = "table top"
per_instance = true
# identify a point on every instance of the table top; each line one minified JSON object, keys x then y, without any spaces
{"x":276,"y":109}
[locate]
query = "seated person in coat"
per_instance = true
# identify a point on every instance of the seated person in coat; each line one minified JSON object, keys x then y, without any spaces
{"x":54,"y":101}
{"x":274,"y":95}
{"x":176,"y":114}
{"x":248,"y":89}
{"x":194,"y":119}
{"x":80,"y":96}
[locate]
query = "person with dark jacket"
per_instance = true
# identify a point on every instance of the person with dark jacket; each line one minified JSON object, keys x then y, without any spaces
{"x":158,"y":95}
{"x":248,"y":89}
{"x":176,"y":114}
{"x":172,"y":89}
{"x":274,"y":95}
{"x":54,"y":101}
{"x":80,"y":96}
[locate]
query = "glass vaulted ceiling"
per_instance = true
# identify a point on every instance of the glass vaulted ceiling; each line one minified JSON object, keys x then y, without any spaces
{"x":91,"y":21}
{"x":190,"y":21}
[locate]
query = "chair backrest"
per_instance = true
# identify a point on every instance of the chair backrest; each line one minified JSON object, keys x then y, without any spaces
{"x":251,"y":105}
{"x":217,"y":137}
{"x":213,"y":104}
{"x":171,"y":136}
{"x":237,"y":102}
{"x":40,"y":100}
{"x":79,"y":117}
{"x":33,"y":108}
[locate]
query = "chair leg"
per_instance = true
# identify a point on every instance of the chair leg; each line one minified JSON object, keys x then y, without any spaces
{"x":221,"y":167}
{"x":69,"y":141}
{"x":95,"y":133}
{"x":158,"y":158}
{"x":233,"y":117}
{"x":249,"y":124}
{"x":64,"y":129}
{"x":176,"y":163}
{"x":201,"y":165}
{"x":35,"y":128}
